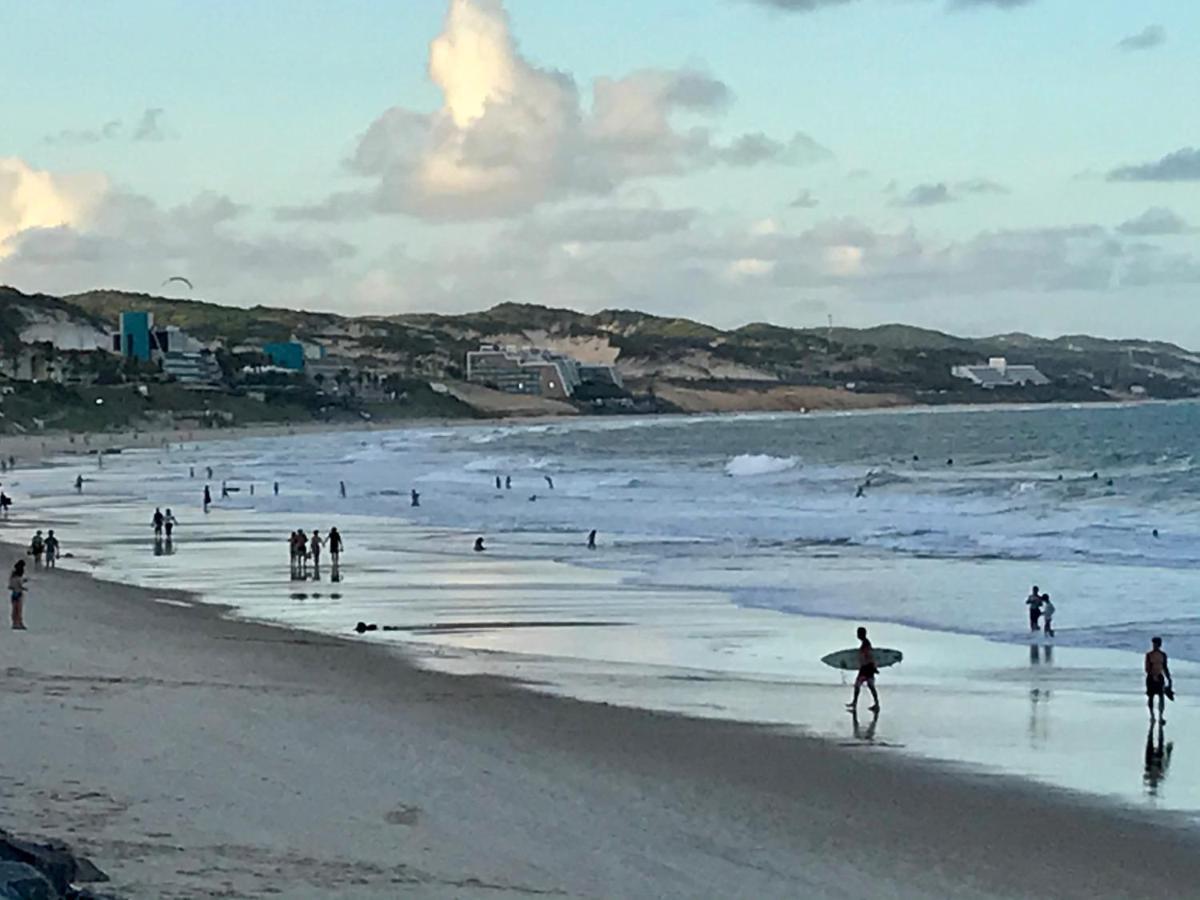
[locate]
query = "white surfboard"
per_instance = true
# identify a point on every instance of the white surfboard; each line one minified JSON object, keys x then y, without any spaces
{"x":848,"y":659}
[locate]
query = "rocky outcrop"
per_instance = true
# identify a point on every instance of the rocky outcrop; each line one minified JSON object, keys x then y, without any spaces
{"x":45,"y":871}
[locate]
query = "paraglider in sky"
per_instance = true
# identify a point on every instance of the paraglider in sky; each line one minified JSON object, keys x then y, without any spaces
{"x":180,"y":279}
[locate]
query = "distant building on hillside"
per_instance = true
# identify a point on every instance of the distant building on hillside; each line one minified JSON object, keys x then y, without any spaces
{"x":286,"y":354}
{"x":191,"y":367}
{"x":998,"y":373}
{"x":134,"y":339}
{"x":531,"y":370}
{"x":181,"y":356}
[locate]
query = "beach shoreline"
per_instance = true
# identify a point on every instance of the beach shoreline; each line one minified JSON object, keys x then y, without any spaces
{"x":41,"y":446}
{"x":188,"y":751}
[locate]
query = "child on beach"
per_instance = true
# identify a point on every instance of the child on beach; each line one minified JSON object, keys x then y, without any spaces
{"x":16,"y":593}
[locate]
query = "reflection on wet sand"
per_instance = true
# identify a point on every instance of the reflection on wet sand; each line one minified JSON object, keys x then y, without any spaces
{"x":866,"y":735}
{"x":1157,"y":760}
{"x":1041,"y":653}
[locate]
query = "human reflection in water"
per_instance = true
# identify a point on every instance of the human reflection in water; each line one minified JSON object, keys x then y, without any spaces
{"x":865,"y":734}
{"x":1039,"y":723}
{"x":1158,"y":759}
{"x":1039,"y":653}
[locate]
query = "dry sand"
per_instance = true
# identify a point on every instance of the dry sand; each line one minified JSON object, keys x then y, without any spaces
{"x":195,"y":756}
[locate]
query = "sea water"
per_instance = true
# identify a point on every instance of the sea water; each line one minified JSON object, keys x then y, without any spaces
{"x":1099,"y":505}
{"x":732,"y":551}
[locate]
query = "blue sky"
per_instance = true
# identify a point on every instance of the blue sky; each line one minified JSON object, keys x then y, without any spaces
{"x":958,"y":165}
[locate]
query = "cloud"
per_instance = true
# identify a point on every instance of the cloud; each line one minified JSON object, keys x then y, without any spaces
{"x":63,"y":233}
{"x":999,"y":4}
{"x":1182,"y":165}
{"x":981,"y":186}
{"x":610,"y":224}
{"x":1149,"y":37}
{"x":150,"y":126}
{"x":800,"y":5}
{"x":938,"y":193}
{"x":927,"y":195}
{"x":1157,"y":220}
{"x":35,"y":198}
{"x":808,"y":6}
{"x":803,"y":200}
{"x":510,"y":136}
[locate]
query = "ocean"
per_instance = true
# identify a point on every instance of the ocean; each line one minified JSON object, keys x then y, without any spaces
{"x":964,"y":508}
{"x":732,"y":553}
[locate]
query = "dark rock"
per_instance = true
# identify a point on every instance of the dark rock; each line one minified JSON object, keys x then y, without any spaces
{"x":20,"y":881}
{"x":54,"y":860}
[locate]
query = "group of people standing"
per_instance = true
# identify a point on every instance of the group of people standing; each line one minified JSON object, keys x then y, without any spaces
{"x":1040,"y":608}
{"x":305,"y":549}
{"x":44,"y":549}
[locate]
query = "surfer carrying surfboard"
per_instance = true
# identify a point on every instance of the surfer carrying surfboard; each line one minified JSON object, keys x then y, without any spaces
{"x":866,"y":671}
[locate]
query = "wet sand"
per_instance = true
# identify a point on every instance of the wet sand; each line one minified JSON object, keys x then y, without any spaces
{"x":192,"y":755}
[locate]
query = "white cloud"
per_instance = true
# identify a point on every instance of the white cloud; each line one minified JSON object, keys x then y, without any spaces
{"x":35,"y":198}
{"x":68,"y":233}
{"x":510,"y":136}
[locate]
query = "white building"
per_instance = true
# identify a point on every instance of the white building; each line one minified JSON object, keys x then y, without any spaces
{"x":998,"y":373}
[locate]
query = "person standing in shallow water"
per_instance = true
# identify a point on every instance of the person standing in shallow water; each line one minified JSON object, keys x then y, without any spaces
{"x":1034,"y":602}
{"x":335,"y":550}
{"x":1158,"y":679}
{"x":314,"y":545}
{"x":867,"y":670}
{"x":16,"y":595}
{"x":207,"y":498}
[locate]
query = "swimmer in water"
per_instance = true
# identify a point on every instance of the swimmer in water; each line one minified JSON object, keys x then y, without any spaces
{"x":479,"y":548}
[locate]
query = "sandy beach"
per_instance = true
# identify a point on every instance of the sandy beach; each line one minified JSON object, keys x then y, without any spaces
{"x":194,"y":756}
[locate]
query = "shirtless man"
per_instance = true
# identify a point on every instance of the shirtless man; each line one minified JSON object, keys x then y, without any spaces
{"x":1158,"y":679}
{"x":866,"y":672}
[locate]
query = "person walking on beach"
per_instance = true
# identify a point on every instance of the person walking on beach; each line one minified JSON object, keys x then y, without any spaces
{"x":36,"y":548}
{"x":1047,"y":616}
{"x":416,"y":497}
{"x":16,"y":594}
{"x":79,"y":484}
{"x":1034,"y":602}
{"x":1158,"y":679}
{"x":207,"y":498}
{"x":169,"y":521}
{"x":314,"y":546}
{"x":498,"y":485}
{"x":51,"y":550}
{"x":342,"y":488}
{"x":867,"y":671}
{"x":335,"y":551}
{"x":293,"y":556}
{"x":508,"y":482}
{"x":158,"y":523}
{"x":5,"y":503}
{"x":591,"y":545}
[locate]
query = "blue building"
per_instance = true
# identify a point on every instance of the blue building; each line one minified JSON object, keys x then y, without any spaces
{"x":286,"y":354}
{"x":135,"y":339}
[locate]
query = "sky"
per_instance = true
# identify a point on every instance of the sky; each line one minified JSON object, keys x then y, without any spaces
{"x":977,"y":166}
